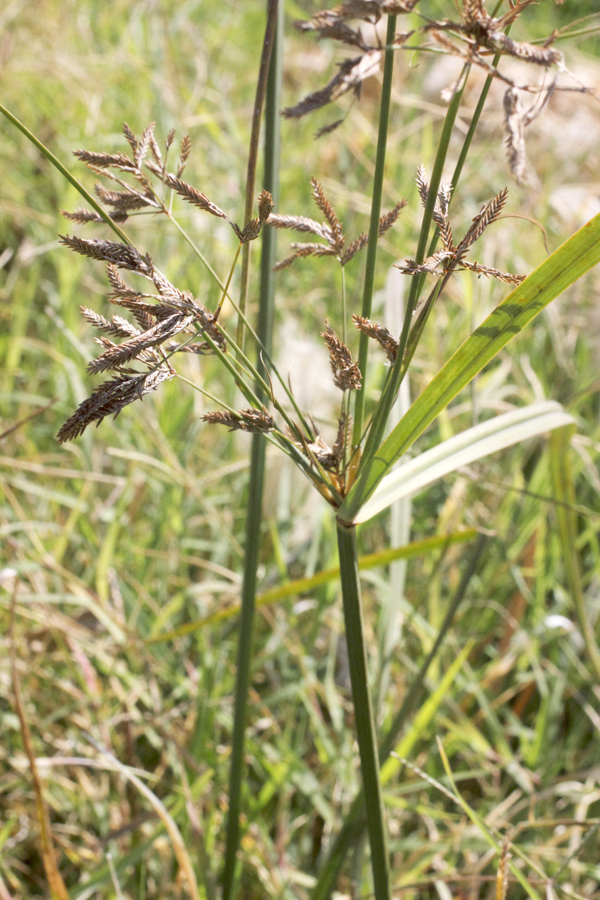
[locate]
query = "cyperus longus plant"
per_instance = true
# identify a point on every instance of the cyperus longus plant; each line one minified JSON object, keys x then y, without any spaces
{"x":356,"y":474}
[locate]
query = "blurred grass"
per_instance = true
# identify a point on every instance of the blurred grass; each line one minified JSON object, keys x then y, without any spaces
{"x":136,"y":528}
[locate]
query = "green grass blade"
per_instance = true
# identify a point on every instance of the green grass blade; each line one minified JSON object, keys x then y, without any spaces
{"x":464,"y":448}
{"x":483,"y":828}
{"x":564,"y":491}
{"x":302,"y":585}
{"x":65,"y":173}
{"x":572,"y":260}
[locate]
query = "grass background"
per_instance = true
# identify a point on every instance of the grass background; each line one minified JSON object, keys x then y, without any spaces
{"x":136,"y":529}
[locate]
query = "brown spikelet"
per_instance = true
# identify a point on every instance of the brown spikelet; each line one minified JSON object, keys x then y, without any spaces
{"x":194,"y":196}
{"x":117,"y":325}
{"x":253,"y":420}
{"x":301,"y":251}
{"x":265,"y":206}
{"x":354,"y":247}
{"x":169,"y":139}
{"x":351,"y":74}
{"x":329,"y":212}
{"x":297,"y":223}
{"x":144,"y":144}
{"x":122,"y":255}
{"x":110,"y":398}
{"x":82,"y":216}
{"x":123,"y":201}
{"x":184,"y":154}
{"x":155,"y":150}
{"x":130,"y":138}
{"x":514,"y":135}
{"x":422,"y":184}
{"x":488,"y":213}
{"x":384,"y":337}
{"x":320,"y":451}
{"x":346,"y":374}
{"x":390,"y":218}
{"x":118,"y":355}
{"x":104,"y":160}
{"x":490,"y":272}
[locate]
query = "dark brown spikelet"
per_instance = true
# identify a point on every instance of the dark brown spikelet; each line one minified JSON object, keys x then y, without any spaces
{"x":124,"y":256}
{"x":383,"y":337}
{"x":346,"y":374}
{"x":320,"y":451}
{"x":184,"y":154}
{"x":104,"y":160}
{"x":110,"y":398}
{"x":337,"y":237}
{"x":194,"y":196}
{"x":117,"y":325}
{"x":82,"y":216}
{"x":488,"y":213}
{"x":490,"y":272}
{"x":254,"y":227}
{"x":351,"y":74}
{"x":253,"y":420}
{"x":118,"y":355}
{"x":265,"y":206}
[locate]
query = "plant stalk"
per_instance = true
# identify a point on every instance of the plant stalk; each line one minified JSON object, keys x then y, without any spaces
{"x":363,"y":711}
{"x":384,"y":117}
{"x":261,"y":89}
{"x":272,"y":87}
{"x":354,"y":825}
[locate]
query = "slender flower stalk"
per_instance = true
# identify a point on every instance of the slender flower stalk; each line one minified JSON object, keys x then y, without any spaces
{"x":269,"y":84}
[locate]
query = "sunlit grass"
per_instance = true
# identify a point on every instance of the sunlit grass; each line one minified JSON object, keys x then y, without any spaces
{"x":137,"y":529}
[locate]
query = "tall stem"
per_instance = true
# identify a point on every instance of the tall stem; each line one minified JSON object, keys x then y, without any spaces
{"x":261,"y":88}
{"x":384,"y":117}
{"x":354,"y":825}
{"x":390,"y":390}
{"x":274,"y":38}
{"x":363,"y":711}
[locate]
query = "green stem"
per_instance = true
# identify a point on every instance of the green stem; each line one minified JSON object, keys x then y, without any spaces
{"x":392,"y":385}
{"x":261,"y":88}
{"x":363,"y":711}
{"x":564,"y":490}
{"x":274,"y":41}
{"x":354,"y":825}
{"x":384,"y":116}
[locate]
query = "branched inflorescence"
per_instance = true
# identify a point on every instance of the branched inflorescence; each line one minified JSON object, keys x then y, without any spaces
{"x":474,"y":37}
{"x":452,"y":256}
{"x":165,"y":311}
{"x":138,"y":355}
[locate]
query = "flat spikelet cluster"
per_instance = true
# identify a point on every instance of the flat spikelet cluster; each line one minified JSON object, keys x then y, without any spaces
{"x":331,"y":231}
{"x":452,"y":256}
{"x":159,"y":316}
{"x":164,"y":311}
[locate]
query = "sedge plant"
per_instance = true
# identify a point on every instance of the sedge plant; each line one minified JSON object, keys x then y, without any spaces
{"x":357,"y":474}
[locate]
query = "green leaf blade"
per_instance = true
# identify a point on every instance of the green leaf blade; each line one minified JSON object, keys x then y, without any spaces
{"x":464,"y":448}
{"x":567,"y":264}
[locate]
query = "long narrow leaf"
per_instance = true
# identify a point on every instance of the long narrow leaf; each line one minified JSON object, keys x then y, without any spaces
{"x":303,"y":585}
{"x":572,"y":260}
{"x":462,"y":449}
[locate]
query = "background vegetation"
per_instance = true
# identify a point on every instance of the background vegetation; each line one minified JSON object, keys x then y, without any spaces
{"x":135,"y":530}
